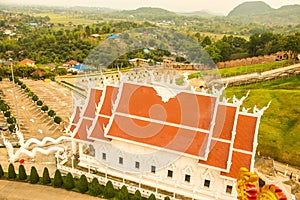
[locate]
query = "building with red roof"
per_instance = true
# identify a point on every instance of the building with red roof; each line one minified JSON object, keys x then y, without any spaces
{"x":27,"y":62}
{"x":158,"y":137}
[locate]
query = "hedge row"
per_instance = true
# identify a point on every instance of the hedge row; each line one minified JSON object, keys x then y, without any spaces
{"x":35,"y":98}
{"x":68,"y":182}
{"x":10,"y":119}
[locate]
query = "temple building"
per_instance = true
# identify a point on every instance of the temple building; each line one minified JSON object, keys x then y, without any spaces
{"x":148,"y":133}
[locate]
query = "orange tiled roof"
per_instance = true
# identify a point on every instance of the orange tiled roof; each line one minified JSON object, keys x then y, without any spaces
{"x":105,"y":113}
{"x":27,"y":61}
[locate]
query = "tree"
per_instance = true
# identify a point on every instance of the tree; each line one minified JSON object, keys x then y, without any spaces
{"x":82,"y":184}
{"x":123,"y":193}
{"x":34,"y":176}
{"x":137,"y":195}
{"x":51,"y":113}
{"x":57,"y":182}
{"x":11,"y":171}
{"x":57,"y":120}
{"x":35,"y":98}
{"x":11,"y":120}
{"x":22,"y":173}
{"x":152,"y":197}
{"x":46,"y":178}
{"x":109,"y":191}
{"x":7,"y":114}
{"x":1,"y":171}
{"x":95,"y":188}
{"x":39,"y":103}
{"x":69,"y":182}
{"x":44,"y":108}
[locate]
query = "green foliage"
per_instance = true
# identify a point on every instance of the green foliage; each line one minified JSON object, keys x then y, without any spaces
{"x":11,"y":172}
{"x":137,"y":195}
{"x":82,"y":184}
{"x":39,"y":103}
{"x":34,"y":176}
{"x":27,"y":90}
{"x":278,"y":135}
{"x":11,"y":128}
{"x":4,"y":107}
{"x":51,"y":113}
{"x":11,"y":120}
{"x":7,"y":114}
{"x":44,"y":108}
{"x":30,"y":94}
{"x":22,"y":173}
{"x":0,"y":78}
{"x":46,"y":178}
{"x":152,"y":197}
{"x":167,"y":198}
{"x":123,"y":193}
{"x":57,"y":120}
{"x":68,"y":182}
{"x":23,"y":86}
{"x":109,"y":191}
{"x":35,"y":98}
{"x":57,"y":182}
{"x":1,"y":172}
{"x":95,"y":188}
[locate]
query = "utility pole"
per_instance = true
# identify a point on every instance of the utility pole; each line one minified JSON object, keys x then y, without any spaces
{"x":14,"y":90}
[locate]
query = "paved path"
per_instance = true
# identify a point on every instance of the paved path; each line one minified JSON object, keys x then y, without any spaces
{"x":25,"y":191}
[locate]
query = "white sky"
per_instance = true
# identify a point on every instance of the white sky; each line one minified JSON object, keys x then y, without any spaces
{"x":216,"y":6}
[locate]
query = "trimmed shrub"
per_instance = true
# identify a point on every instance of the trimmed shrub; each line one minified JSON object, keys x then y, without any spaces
{"x":95,"y":188}
{"x":137,"y":195}
{"x":39,"y":103}
{"x":35,"y":97}
{"x":123,"y":193}
{"x":11,"y":171}
{"x":27,"y":90}
{"x":7,"y":114}
{"x":57,"y":182}
{"x":57,"y":120}
{"x":23,"y":86}
{"x":30,"y":94}
{"x":11,"y":128}
{"x":46,"y":178}
{"x":109,"y":191}
{"x":51,"y":113}
{"x":4,"y":107}
{"x":68,"y":182}
{"x":34,"y":176}
{"x":167,"y":198}
{"x":0,"y":78}
{"x":1,"y":171}
{"x":44,"y":108}
{"x":82,"y":184}
{"x":22,"y":173}
{"x":152,"y":197}
{"x":11,"y":120}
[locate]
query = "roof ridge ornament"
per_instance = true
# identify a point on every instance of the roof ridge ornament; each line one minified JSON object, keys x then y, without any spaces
{"x":240,"y":101}
{"x":260,"y":112}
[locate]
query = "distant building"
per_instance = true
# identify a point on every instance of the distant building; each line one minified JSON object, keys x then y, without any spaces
{"x":33,"y":24}
{"x":95,"y":35}
{"x":70,"y":63}
{"x":139,"y":62}
{"x":27,"y":62}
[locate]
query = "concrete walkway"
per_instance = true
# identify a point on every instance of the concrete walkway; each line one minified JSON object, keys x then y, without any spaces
{"x":25,"y":191}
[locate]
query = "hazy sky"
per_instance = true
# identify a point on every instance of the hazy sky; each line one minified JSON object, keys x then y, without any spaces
{"x":218,"y":6}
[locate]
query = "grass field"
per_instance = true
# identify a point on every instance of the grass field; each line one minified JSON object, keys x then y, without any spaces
{"x":234,"y":71}
{"x":65,"y":19}
{"x":279,"y":133}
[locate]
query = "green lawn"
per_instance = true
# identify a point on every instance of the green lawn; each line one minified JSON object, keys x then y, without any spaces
{"x":234,"y":71}
{"x":279,"y":133}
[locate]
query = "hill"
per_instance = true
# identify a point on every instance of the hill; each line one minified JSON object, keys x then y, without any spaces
{"x":260,"y":12}
{"x":142,"y":13}
{"x":201,"y":13}
{"x":250,"y":8}
{"x":279,"y":132}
